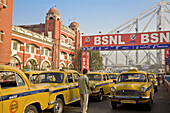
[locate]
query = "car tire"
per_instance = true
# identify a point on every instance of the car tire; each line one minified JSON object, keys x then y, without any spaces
{"x":148,"y":105}
{"x":31,"y":109}
{"x":156,"y":89}
{"x":100,"y":96}
{"x":114,"y":105}
{"x":58,"y":107}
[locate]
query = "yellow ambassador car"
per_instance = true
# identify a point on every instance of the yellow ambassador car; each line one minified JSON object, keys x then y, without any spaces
{"x":100,"y":84}
{"x":31,"y":75}
{"x":132,"y":87}
{"x":153,"y":79}
{"x":17,"y":95}
{"x":63,"y":86}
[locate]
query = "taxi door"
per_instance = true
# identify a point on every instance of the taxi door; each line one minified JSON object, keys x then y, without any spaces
{"x":13,"y":92}
{"x":69,"y":82}
{"x":104,"y":84}
{"x":108,"y":83}
{"x":77,"y":94}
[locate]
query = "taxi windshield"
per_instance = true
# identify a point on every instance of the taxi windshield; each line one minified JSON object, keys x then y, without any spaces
{"x":94,"y":77}
{"x":132,"y":77}
{"x":113,"y":76}
{"x":49,"y":78}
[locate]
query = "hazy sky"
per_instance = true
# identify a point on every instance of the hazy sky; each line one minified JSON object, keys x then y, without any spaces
{"x":92,"y":15}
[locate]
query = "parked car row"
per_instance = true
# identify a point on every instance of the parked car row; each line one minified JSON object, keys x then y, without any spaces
{"x":35,"y":91}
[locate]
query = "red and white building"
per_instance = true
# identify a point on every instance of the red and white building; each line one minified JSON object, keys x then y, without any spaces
{"x":42,"y":46}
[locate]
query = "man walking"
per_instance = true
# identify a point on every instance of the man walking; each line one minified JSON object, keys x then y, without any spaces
{"x":84,"y":89}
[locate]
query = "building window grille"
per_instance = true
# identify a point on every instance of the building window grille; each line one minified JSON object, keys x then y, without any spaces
{"x":42,"y":51}
{"x":15,"y":45}
{"x":27,"y":48}
{"x":32,"y":49}
{"x":46,"y":52}
{"x":69,"y":41}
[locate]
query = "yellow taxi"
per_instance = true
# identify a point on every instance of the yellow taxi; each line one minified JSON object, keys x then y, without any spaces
{"x":63,"y":86}
{"x":154,"y":80}
{"x":132,"y":87}
{"x":100,"y":84}
{"x":113,"y":76}
{"x":17,"y":95}
{"x":31,"y":75}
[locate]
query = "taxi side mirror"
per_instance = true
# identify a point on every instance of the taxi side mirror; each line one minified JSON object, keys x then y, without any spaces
{"x":114,"y":81}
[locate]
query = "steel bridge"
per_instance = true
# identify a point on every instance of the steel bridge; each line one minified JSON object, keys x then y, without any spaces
{"x":140,"y":23}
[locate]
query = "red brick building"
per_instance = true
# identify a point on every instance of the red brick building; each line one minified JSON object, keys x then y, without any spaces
{"x":41,"y":46}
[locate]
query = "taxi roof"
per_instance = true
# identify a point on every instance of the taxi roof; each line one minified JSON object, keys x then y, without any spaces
{"x":33,"y":72}
{"x":134,"y":71}
{"x":114,"y":73}
{"x":59,"y":71}
{"x":96,"y":73}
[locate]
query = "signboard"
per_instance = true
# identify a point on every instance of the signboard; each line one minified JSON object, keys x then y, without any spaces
{"x":167,"y":59}
{"x":84,"y":60}
{"x":147,"y":40}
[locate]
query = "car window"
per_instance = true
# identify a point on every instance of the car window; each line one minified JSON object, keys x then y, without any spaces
{"x":49,"y":78}
{"x":10,"y":79}
{"x":113,"y":76}
{"x":94,"y":77}
{"x":76,"y":76}
{"x":104,"y":78}
{"x":27,"y":75}
{"x":33,"y":77}
{"x":69,"y":78}
{"x":132,"y":77}
{"x":107,"y":77}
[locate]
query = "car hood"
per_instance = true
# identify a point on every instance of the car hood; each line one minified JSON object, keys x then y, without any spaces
{"x":93,"y":82}
{"x":129,"y":86}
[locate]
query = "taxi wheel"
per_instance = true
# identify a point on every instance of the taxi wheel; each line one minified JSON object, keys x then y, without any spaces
{"x":148,"y":105}
{"x":114,"y":105}
{"x":31,"y":109}
{"x":156,"y":89}
{"x":100,"y":96}
{"x":58,"y":107}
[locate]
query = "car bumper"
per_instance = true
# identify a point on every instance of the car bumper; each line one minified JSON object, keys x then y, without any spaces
{"x":94,"y":93}
{"x":138,"y":99}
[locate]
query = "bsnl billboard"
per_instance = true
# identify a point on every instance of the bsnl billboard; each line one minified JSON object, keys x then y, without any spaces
{"x":147,"y":40}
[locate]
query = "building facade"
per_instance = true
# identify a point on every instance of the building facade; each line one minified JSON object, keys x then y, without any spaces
{"x":43,"y":46}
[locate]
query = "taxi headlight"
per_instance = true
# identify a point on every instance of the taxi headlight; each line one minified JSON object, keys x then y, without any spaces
{"x":143,"y":89}
{"x":112,"y":89}
{"x":94,"y":86}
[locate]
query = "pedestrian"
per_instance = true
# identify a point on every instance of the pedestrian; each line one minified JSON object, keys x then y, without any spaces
{"x":84,"y":90}
{"x":163,"y":78}
{"x":158,"y":79}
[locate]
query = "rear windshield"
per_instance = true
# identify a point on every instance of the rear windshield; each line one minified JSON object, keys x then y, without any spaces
{"x":49,"y":78}
{"x":113,"y":76}
{"x":94,"y":77}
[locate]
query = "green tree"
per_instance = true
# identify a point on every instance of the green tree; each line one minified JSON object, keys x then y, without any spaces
{"x":95,"y":61}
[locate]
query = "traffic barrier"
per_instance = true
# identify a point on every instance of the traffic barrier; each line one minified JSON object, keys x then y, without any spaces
{"x":167,"y":82}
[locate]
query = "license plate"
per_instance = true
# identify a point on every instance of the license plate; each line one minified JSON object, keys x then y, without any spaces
{"x":128,"y":101}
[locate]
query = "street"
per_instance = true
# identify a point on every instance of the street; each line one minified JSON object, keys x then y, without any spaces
{"x":161,"y":105}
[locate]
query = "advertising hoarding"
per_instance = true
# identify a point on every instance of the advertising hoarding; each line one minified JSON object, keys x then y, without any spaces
{"x":84,"y":60}
{"x":147,"y":40}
